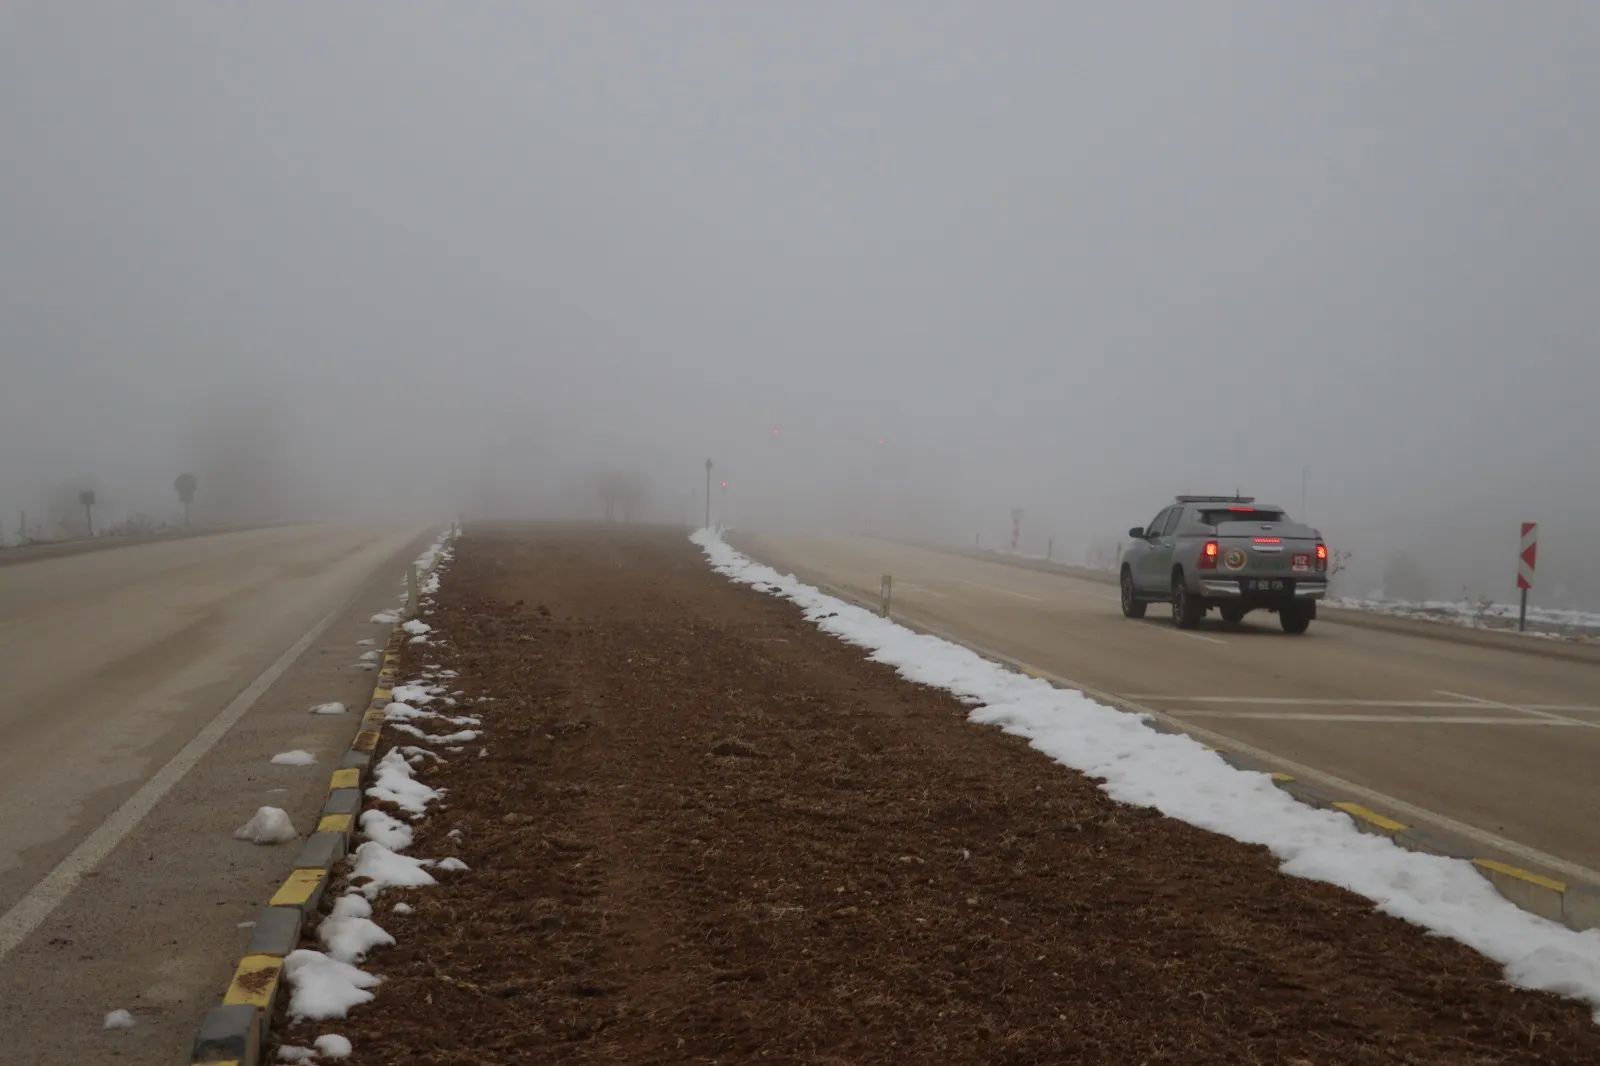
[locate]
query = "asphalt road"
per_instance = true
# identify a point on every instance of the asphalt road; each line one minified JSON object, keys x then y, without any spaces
{"x":1496,"y":744}
{"x":145,"y":690}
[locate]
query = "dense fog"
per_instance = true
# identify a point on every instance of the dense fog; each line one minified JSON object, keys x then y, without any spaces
{"x":895,"y":268}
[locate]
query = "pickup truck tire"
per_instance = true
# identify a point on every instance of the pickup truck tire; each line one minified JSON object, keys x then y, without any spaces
{"x":1295,"y":618}
{"x":1132,"y":605}
{"x":1186,"y":609}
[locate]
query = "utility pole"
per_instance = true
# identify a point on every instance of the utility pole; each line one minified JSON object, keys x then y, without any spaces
{"x":708,"y":494}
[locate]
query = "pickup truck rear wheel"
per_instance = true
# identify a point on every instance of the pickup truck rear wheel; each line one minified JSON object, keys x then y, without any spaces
{"x":1295,"y":618}
{"x":1132,"y":605}
{"x":1187,"y":610}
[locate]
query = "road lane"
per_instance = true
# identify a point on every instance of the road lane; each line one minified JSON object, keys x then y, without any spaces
{"x":112,"y":661}
{"x":1502,"y":741}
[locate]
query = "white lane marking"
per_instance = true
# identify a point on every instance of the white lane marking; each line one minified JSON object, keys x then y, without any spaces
{"x":1306,"y":701}
{"x":1003,"y":592}
{"x":1432,"y":719}
{"x":1516,"y":707}
{"x":49,"y":893}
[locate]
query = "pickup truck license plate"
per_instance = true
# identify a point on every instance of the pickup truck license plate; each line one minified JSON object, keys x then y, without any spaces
{"x":1267,"y":584}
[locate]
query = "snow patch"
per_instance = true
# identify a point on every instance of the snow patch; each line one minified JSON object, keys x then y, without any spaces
{"x":334,"y":1046}
{"x":386,"y":618}
{"x":416,"y":627}
{"x":294,"y":758}
{"x":270,"y":825}
{"x":291,"y":1053}
{"x":387,"y":830}
{"x":453,"y":864}
{"x":383,"y":869}
{"x":393,"y":783}
{"x":402,"y":908}
{"x":349,"y":932}
{"x":328,"y":708}
{"x":117,"y":1019}
{"x":1180,"y":778}
{"x":323,"y":987}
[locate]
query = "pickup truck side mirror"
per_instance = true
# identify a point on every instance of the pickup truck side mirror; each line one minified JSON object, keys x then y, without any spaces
{"x":1137,"y":532}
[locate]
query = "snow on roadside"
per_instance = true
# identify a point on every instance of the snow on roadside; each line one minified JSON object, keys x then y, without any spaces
{"x":294,"y":758}
{"x":327,"y":984}
{"x":117,"y":1019}
{"x":1479,"y":615}
{"x":349,"y":932}
{"x":386,"y":829}
{"x":332,"y":707}
{"x":1179,"y":777}
{"x":322,"y":987}
{"x":269,"y":825}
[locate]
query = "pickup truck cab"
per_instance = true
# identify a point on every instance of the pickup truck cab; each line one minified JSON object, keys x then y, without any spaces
{"x":1227,"y":552}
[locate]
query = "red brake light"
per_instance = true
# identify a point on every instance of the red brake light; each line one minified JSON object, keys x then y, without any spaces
{"x":1322,"y":557}
{"x":1269,"y":540}
{"x":1243,"y":510}
{"x":1208,"y":556}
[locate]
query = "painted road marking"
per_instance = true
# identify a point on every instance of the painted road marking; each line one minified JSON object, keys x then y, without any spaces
{"x":43,"y":898}
{"x":1296,"y":701}
{"x":1517,"y":707}
{"x":1003,"y":592}
{"x":1432,"y":719}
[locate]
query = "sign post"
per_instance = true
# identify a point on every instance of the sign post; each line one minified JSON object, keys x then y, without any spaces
{"x":1525,"y":566}
{"x":886,"y":593}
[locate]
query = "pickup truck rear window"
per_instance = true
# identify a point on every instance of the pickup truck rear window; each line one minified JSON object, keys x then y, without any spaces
{"x":1244,"y":514}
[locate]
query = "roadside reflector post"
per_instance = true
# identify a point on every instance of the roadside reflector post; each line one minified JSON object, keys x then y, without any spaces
{"x":885,"y":592}
{"x":1050,"y":549}
{"x":412,"y":591}
{"x":1526,"y":561}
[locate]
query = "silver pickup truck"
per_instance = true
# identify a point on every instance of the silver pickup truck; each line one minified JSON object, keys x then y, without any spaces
{"x":1227,"y":552}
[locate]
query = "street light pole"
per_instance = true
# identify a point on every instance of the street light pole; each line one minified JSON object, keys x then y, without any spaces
{"x":708,"y":494}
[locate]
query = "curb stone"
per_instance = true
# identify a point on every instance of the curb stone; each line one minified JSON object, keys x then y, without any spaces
{"x":1574,"y":904}
{"x":235,"y":1033}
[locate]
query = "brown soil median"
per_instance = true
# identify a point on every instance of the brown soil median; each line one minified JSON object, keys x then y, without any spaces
{"x":707,"y":833}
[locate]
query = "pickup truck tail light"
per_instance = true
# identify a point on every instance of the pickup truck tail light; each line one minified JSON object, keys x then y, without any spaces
{"x":1208,"y":556}
{"x":1322,"y":558}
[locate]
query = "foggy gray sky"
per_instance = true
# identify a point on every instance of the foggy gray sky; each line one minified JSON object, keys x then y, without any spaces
{"x":1073,"y":257}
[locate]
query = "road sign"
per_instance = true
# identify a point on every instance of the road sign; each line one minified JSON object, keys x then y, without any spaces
{"x":1530,"y":555}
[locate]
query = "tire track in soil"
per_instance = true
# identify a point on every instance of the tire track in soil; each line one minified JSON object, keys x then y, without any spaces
{"x":706,"y":832}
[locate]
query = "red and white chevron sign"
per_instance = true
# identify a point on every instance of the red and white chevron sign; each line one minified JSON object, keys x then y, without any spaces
{"x":1530,"y":555}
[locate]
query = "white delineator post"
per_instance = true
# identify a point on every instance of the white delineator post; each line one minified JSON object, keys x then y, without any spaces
{"x":1525,"y":566}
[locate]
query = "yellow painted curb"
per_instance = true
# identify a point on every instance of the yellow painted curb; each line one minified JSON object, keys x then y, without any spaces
{"x":1370,"y":821}
{"x":299,"y":889}
{"x":1543,"y":896}
{"x":1282,"y":777}
{"x":335,"y":823}
{"x":255,"y":982}
{"x":348,"y":778}
{"x":382,"y":693}
{"x":366,"y":742}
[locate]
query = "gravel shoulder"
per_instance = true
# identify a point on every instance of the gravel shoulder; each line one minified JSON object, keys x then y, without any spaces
{"x":706,"y":832}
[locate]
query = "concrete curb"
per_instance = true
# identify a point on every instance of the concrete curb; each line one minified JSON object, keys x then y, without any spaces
{"x":235,"y":1033}
{"x":1574,"y":904}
